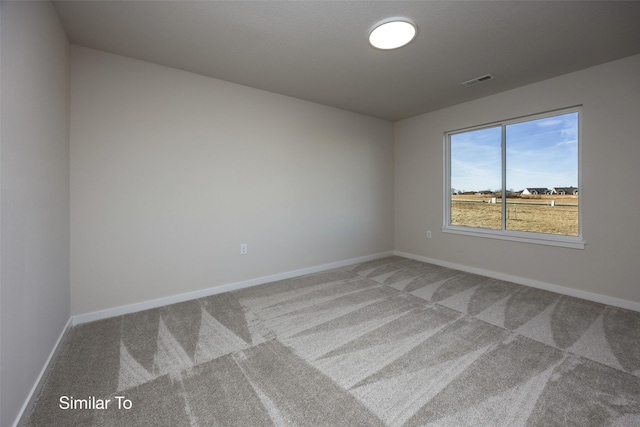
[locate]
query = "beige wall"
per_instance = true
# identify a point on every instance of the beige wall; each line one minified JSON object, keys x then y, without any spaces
{"x":171,"y":172}
{"x":610,"y":95}
{"x":34,"y":226}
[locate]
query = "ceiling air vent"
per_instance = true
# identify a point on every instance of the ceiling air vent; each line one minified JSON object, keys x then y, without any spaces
{"x":478,"y":80}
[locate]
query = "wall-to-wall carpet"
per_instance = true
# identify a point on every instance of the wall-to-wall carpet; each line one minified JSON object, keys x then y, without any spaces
{"x":389,"y":342}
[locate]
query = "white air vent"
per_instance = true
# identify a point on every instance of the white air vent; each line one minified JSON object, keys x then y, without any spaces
{"x":477,"y":80}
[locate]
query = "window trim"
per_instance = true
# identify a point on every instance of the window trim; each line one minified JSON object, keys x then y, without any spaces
{"x":576,"y":242}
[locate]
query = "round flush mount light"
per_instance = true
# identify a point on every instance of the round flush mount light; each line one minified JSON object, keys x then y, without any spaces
{"x":392,"y":33}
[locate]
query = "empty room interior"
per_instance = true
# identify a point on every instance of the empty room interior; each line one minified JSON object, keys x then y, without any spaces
{"x":250,"y":213}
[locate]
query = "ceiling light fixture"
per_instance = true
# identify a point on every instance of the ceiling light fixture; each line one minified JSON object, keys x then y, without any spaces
{"x":392,"y":33}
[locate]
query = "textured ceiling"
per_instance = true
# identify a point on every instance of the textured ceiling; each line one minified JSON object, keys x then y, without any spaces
{"x":318,"y":50}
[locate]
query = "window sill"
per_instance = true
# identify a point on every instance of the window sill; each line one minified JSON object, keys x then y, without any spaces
{"x":516,"y":236}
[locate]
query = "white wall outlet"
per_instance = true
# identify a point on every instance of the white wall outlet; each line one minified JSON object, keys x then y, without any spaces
{"x":428,"y":234}
{"x":243,"y":249}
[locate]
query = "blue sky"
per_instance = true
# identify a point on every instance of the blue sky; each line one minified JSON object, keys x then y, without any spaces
{"x":540,"y":153}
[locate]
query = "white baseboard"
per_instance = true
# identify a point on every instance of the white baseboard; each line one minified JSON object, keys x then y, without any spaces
{"x":132,"y":308}
{"x":577,"y":293}
{"x":21,"y":419}
{"x":146,"y":305}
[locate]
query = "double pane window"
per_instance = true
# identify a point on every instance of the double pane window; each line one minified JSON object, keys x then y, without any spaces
{"x":517,"y":178}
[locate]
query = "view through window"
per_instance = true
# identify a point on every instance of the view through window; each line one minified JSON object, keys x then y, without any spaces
{"x":516,"y":176}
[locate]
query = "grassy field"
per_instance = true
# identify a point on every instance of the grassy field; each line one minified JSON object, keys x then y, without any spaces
{"x":534,"y":213}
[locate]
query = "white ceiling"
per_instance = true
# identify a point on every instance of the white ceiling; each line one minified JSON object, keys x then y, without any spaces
{"x":318,"y":50}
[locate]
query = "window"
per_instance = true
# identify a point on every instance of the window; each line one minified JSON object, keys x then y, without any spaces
{"x":516,"y":180}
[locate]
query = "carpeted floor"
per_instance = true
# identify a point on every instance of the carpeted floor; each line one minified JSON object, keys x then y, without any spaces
{"x":389,"y":342}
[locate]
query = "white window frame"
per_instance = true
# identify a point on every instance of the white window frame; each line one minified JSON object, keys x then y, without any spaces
{"x":576,"y":242}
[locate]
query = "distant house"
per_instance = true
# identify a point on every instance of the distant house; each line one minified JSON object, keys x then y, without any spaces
{"x":565,"y":190}
{"x":536,"y":191}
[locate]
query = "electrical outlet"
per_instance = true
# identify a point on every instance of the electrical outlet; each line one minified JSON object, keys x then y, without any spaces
{"x":428,"y":234}
{"x":243,"y":249}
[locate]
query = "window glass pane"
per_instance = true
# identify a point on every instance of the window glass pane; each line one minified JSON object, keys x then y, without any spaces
{"x":542,"y":175}
{"x":476,"y":177}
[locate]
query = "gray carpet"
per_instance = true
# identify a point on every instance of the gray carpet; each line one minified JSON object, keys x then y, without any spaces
{"x":390,"y":342}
